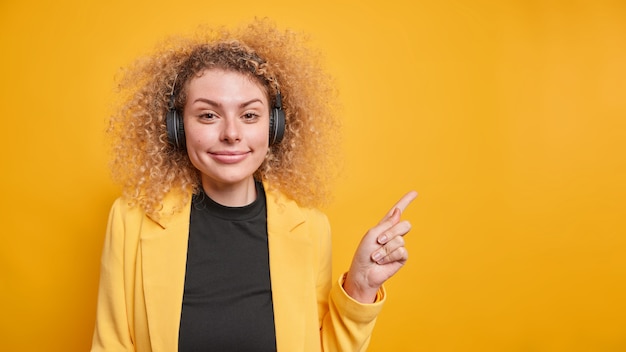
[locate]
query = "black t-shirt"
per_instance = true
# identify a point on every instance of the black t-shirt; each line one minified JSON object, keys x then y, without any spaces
{"x":227,"y":302}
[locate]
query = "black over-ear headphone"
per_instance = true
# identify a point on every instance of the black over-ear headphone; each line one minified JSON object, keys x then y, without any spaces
{"x":176,"y":128}
{"x":277,"y":120}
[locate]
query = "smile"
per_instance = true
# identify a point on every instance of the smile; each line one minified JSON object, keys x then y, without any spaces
{"x":229,"y":157}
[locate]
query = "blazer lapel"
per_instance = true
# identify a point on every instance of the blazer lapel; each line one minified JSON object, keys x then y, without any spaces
{"x":290,"y":261}
{"x":163,"y":263}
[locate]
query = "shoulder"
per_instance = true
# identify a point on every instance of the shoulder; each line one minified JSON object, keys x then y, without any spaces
{"x":123,"y":209}
{"x":286,"y":218}
{"x":173,"y":206}
{"x":278,"y":204}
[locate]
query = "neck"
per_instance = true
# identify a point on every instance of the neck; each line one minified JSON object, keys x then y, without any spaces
{"x":231,"y":195}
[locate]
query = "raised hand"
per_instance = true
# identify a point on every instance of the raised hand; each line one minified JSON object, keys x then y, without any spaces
{"x":380,"y":254}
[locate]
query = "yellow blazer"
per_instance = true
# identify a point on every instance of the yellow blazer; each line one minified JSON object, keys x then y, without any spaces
{"x":143,"y":274}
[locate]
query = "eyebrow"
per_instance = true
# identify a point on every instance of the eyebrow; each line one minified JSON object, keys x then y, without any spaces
{"x":216,"y":104}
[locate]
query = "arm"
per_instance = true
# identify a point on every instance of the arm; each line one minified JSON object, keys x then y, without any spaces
{"x":345,"y":324}
{"x":356,"y":299}
{"x":112,"y":332}
{"x":349,"y":324}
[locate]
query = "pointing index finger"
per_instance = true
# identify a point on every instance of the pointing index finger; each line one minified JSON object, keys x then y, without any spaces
{"x":403,"y":202}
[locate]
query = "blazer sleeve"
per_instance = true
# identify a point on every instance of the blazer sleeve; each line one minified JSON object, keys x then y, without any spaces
{"x":112,"y":332}
{"x":345,"y":324}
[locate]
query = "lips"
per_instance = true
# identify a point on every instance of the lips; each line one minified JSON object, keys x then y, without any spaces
{"x":229,"y":157}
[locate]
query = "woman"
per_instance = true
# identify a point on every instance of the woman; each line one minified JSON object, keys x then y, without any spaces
{"x":216,"y":243}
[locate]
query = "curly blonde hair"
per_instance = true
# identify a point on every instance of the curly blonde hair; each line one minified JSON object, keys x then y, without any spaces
{"x":301,"y":166}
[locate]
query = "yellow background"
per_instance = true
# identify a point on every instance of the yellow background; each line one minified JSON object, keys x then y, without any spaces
{"x":508,"y":117}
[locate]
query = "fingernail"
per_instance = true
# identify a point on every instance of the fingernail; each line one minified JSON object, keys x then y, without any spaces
{"x":376,"y":256}
{"x":382,"y":239}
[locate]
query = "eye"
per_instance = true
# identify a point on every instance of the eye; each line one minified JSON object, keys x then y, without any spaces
{"x":207,"y":116}
{"x":250,"y":116}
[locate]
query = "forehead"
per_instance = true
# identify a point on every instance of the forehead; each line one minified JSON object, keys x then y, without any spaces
{"x":220,"y":82}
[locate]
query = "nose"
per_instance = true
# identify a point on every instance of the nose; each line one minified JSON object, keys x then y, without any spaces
{"x":230,"y":131}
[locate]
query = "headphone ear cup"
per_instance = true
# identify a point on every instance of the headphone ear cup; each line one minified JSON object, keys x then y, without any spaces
{"x":277,"y":126}
{"x":175,"y":129}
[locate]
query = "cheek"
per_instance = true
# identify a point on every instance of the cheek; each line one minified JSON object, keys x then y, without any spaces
{"x":195,"y":135}
{"x":260,"y":135}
